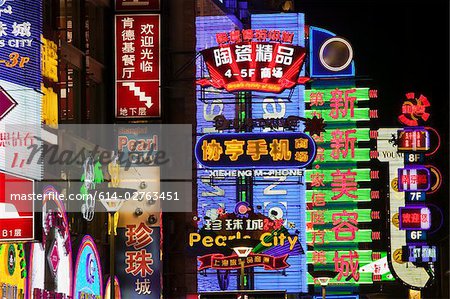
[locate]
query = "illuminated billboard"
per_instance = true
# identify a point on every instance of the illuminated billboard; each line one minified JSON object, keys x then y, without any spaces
{"x":138,"y":74}
{"x":255,"y":60}
{"x":262,"y":150}
{"x":20,"y":48}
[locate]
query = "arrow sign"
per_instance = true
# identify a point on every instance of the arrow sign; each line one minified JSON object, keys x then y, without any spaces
{"x":7,"y":103}
{"x":138,"y":93}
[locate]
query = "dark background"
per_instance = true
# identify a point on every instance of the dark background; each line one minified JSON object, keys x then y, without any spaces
{"x":400,"y":46}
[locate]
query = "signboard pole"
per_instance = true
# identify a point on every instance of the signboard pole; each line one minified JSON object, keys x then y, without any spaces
{"x":112,"y":254}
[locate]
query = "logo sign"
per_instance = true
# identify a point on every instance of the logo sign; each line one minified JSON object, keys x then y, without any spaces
{"x":419,"y":254}
{"x":88,"y":278}
{"x":20,"y":30}
{"x":414,"y":218}
{"x":413,"y":179}
{"x":255,"y":60}
{"x":330,"y":55}
{"x":53,"y":258}
{"x":414,"y":110}
{"x":16,"y":214}
{"x":138,"y":66}
{"x":413,"y":140}
{"x":255,"y":150}
{"x":137,"y":5}
{"x":221,"y":262}
{"x":6,"y":103}
{"x":415,"y":236}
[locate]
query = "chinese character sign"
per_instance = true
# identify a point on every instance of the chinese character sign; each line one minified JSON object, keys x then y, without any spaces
{"x":257,"y":66}
{"x":255,"y":150}
{"x":137,"y":66}
{"x":257,"y":60}
{"x":20,"y":49}
{"x":138,"y":254}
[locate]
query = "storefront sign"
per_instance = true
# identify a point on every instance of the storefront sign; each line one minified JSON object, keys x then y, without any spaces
{"x":221,"y":262}
{"x":414,"y":218}
{"x":137,"y":146}
{"x":88,"y":276}
{"x":13,"y":271}
{"x":20,"y":29}
{"x":413,"y":140}
{"x":257,"y":60}
{"x":255,"y":150}
{"x":414,"y":179}
{"x":16,"y":220}
{"x":419,"y":254}
{"x":138,"y":66}
{"x":138,"y":260}
{"x":137,"y":5}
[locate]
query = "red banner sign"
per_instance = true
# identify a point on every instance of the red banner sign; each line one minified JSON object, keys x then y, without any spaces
{"x":16,"y":208}
{"x":256,"y":66}
{"x":221,"y":262}
{"x":137,"y":5}
{"x":138,"y":66}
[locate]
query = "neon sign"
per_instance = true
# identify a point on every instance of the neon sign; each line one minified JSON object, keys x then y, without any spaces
{"x":269,"y":64}
{"x":269,"y":150}
{"x":88,"y":279}
{"x":413,"y":140}
{"x":414,"y":179}
{"x":221,"y":262}
{"x":414,"y":110}
{"x":419,"y":254}
{"x":414,"y":218}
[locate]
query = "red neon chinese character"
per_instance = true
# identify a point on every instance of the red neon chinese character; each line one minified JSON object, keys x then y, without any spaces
{"x":341,"y":106}
{"x":320,"y":156}
{"x":261,"y":34}
{"x":318,"y":217}
{"x":247,"y":35}
{"x":344,"y":183}
{"x":345,"y":225}
{"x":406,"y":218}
{"x":340,"y":145}
{"x":222,"y":38}
{"x":317,"y":179}
{"x":140,"y":237}
{"x":318,"y":234}
{"x":316,"y":99}
{"x":235,"y":36}
{"x":318,"y":257}
{"x":318,"y":138}
{"x":275,"y":35}
{"x":287,"y":37}
{"x":138,"y":262}
{"x":346,"y":265}
{"x":318,"y":199}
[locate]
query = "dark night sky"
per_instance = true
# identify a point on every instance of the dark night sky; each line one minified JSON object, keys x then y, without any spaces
{"x":402,"y":45}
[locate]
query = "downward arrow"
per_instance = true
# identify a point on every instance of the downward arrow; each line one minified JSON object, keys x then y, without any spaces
{"x":138,"y":93}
